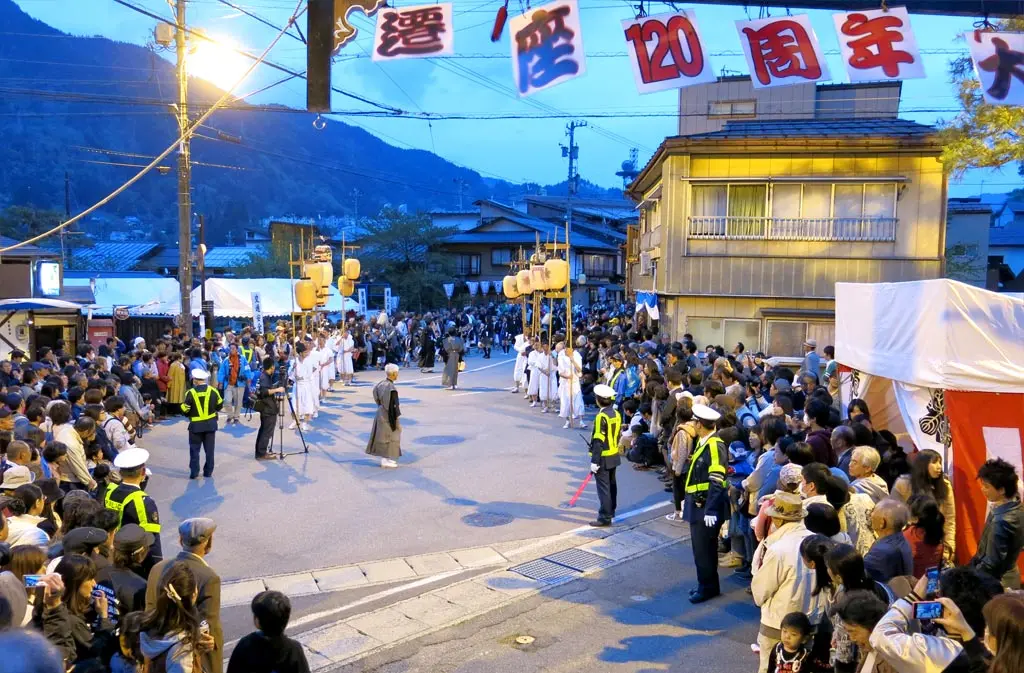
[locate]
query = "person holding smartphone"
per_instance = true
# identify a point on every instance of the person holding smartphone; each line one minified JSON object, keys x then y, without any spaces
{"x":92,"y":633}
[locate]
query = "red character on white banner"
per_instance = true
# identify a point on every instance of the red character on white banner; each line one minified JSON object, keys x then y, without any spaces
{"x":999,"y":64}
{"x":782,"y":51}
{"x":413,"y":32}
{"x":666,"y":52}
{"x":547,"y":46}
{"x":878,"y":45}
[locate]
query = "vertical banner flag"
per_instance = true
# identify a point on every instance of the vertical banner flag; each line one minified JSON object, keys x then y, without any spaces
{"x":999,"y":64}
{"x":878,"y":44}
{"x":449,"y":289}
{"x":361,"y":298}
{"x":387,"y":299}
{"x":547,"y":47}
{"x":782,"y":51}
{"x":485,"y":287}
{"x":414,"y":32}
{"x":473,"y":287}
{"x":257,"y":312}
{"x":202,"y":324}
{"x":666,"y":52}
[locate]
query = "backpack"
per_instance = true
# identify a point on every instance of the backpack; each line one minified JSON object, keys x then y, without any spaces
{"x":632,"y":382}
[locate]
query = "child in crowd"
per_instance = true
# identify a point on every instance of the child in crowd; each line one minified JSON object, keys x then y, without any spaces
{"x":129,"y":657}
{"x":268,"y":650}
{"x":792,"y":654}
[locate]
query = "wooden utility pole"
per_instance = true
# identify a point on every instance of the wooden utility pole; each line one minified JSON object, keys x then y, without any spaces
{"x":184,"y":174}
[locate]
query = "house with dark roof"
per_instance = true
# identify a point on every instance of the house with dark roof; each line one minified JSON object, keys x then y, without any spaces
{"x":746,"y":228}
{"x":484,"y":250}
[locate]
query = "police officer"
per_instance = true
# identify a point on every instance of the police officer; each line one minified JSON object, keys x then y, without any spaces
{"x":131,"y":502}
{"x":267,"y":404}
{"x":123,"y":580}
{"x":201,"y":406}
{"x":705,"y":503}
{"x":604,"y":454}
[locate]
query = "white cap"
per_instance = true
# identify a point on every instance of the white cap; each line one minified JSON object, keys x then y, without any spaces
{"x":200,"y":374}
{"x":705,"y":413}
{"x":687,"y":393}
{"x":604,"y":392}
{"x":131,"y":458}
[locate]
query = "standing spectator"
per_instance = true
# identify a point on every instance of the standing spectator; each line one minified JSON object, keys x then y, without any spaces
{"x":91,"y":631}
{"x":1004,"y":632}
{"x":890,"y":556}
{"x":172,"y":637}
{"x":268,"y":650}
{"x":233,"y":378}
{"x":924,"y":534}
{"x":863,"y":463}
{"x":1003,"y":535}
{"x":74,"y":437}
{"x":196,"y":537}
{"x":927,"y":479}
{"x":113,"y":426}
{"x":843,"y":442}
{"x":812,"y":361}
{"x":816,"y":414}
{"x":175,"y":384}
{"x":858,"y":613}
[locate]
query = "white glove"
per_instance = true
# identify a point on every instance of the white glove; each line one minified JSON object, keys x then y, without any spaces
{"x":594,"y":467}
{"x":710,"y":520}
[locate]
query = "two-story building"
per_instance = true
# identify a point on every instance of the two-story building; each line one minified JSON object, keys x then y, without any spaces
{"x":746,"y":228}
{"x":483,"y":250}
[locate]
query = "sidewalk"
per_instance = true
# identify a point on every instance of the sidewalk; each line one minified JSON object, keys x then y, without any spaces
{"x":586,"y":600}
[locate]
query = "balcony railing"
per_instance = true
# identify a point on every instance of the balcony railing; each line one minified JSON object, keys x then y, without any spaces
{"x":793,"y":228}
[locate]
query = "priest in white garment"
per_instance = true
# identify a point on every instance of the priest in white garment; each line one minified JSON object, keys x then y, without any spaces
{"x":570,"y":392}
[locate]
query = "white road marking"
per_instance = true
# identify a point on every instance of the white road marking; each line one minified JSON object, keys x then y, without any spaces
{"x":478,"y":392}
{"x":468,"y":371}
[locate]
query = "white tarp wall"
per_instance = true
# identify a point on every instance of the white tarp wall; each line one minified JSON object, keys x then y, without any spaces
{"x":144,"y":297}
{"x":935,"y":334}
{"x":232,"y":297}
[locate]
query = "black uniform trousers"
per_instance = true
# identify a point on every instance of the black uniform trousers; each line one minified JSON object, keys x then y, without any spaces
{"x":607,"y":493}
{"x":201,"y":434}
{"x":265,"y":436}
{"x":704,"y":541}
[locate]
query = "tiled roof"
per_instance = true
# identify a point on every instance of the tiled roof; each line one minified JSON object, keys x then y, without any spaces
{"x":225,"y":257}
{"x":25,"y":250}
{"x":814,"y":128}
{"x":547,"y":231}
{"x":968,"y":207}
{"x":113,"y":256}
{"x":1006,"y":236}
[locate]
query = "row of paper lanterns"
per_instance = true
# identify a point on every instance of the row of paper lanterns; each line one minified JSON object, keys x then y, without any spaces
{"x":551,"y":275}
{"x":313,"y":289}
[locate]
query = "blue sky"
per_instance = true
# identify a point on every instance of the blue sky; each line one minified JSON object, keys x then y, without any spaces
{"x":521,"y":149}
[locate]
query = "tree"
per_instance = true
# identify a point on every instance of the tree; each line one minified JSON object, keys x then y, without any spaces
{"x":21,"y":222}
{"x":401,"y":249}
{"x":982,"y":135}
{"x":269,"y":263}
{"x":964,"y":264}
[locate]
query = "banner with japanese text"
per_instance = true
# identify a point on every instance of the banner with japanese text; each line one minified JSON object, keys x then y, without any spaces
{"x":547,"y":47}
{"x":781,"y":51}
{"x":666,"y":51}
{"x":414,"y":32}
{"x":999,"y":65}
{"x":878,"y":45}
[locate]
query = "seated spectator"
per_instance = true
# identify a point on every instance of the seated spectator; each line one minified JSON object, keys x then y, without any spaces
{"x":863,"y":463}
{"x":268,"y":650}
{"x":890,"y":556}
{"x":1003,"y":535}
{"x":925,"y":533}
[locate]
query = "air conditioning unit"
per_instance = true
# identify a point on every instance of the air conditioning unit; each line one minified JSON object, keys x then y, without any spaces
{"x":646,"y":268}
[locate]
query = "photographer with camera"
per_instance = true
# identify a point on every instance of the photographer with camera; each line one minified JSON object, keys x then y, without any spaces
{"x":267,"y":405}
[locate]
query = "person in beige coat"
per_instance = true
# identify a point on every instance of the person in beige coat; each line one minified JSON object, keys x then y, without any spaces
{"x":926,"y":478}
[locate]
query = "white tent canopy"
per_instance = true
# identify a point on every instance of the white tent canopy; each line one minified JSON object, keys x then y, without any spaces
{"x":232,"y":297}
{"x":144,"y":297}
{"x":937,"y":334}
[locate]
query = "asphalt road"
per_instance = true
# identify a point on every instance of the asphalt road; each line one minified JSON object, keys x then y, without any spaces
{"x":479,"y":467}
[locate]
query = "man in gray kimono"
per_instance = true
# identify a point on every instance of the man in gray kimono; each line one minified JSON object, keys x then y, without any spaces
{"x":454,"y":348}
{"x":386,"y":433}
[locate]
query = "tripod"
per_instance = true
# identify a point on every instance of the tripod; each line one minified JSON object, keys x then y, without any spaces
{"x":280,"y":427}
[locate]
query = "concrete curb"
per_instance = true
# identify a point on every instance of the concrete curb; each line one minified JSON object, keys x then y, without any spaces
{"x":349,"y":640}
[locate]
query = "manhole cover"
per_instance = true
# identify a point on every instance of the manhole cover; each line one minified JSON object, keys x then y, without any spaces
{"x":524,"y":640}
{"x":487,"y":519}
{"x":438,"y":440}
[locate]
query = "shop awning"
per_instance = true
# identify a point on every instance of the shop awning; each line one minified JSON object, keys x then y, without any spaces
{"x":34,"y":304}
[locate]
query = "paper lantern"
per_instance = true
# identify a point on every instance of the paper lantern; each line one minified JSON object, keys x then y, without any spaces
{"x":508,"y":286}
{"x":523,"y":282}
{"x":322,"y":253}
{"x":305,"y":294}
{"x":538,"y":279}
{"x":318,"y":272}
{"x":557,"y":271}
{"x":351,"y":269}
{"x":346,"y":286}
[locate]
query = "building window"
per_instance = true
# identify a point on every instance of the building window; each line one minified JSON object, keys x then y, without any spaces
{"x":501,"y":256}
{"x":468,"y":265}
{"x":786,"y":337}
{"x":725,"y":332}
{"x":593,"y":295}
{"x":733,"y":108}
{"x":599,"y":266}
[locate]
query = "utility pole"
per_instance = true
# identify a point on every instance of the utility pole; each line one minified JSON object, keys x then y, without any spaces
{"x":462,"y":189}
{"x":573,"y":153}
{"x":184,"y":177}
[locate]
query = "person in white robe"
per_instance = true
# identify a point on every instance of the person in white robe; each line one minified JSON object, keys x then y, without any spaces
{"x":326,"y":365}
{"x":570,"y":392}
{"x":306,"y":383}
{"x":552,"y":380}
{"x":346,"y":346}
{"x":533,"y":364}
{"x":522,"y":342}
{"x":543,"y":377}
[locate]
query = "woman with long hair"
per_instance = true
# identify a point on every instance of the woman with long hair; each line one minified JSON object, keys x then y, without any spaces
{"x":927,"y":478}
{"x":925,"y":533}
{"x":171,"y":633}
{"x":846,"y":568}
{"x":87,"y":615}
{"x":1004,"y":632}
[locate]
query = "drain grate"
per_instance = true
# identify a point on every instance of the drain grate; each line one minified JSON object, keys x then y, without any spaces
{"x":579,"y":560}
{"x":545,"y":571}
{"x":487,"y":519}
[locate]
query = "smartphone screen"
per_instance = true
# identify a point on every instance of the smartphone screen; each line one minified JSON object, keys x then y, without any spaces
{"x":933,"y":581}
{"x":32,"y":580}
{"x":927,"y":610}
